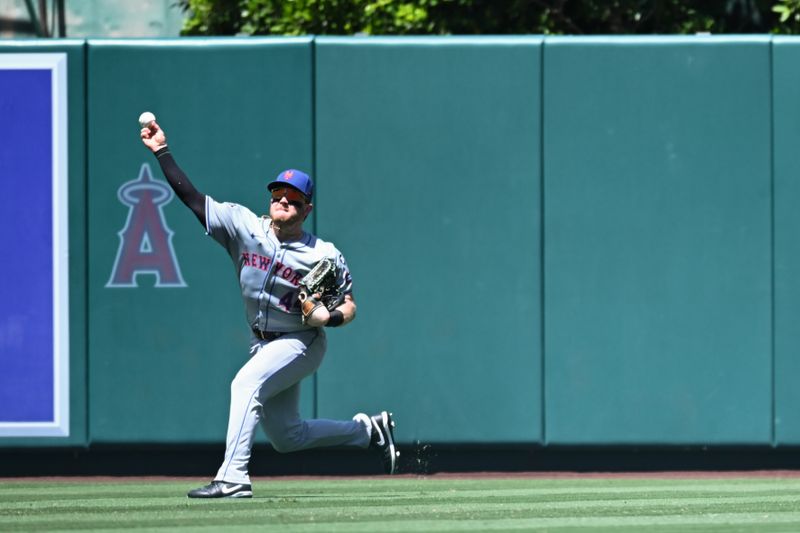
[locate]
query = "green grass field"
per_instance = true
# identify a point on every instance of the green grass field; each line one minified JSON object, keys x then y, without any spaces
{"x":411,"y":504}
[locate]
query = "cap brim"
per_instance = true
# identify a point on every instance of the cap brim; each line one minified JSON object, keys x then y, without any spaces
{"x":274,"y":184}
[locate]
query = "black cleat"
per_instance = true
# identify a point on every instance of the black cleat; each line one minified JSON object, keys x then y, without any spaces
{"x":383,"y":439}
{"x":222,"y":489}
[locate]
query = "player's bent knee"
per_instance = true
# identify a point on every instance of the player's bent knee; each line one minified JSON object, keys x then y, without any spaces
{"x":286,"y":440}
{"x":285,"y":445}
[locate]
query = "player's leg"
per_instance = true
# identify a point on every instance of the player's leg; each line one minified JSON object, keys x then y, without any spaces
{"x":287,"y":432}
{"x":273,"y":367}
{"x":232,"y":479}
{"x":280,"y":398}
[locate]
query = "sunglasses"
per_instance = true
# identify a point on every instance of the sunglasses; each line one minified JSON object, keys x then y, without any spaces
{"x":293,"y":196}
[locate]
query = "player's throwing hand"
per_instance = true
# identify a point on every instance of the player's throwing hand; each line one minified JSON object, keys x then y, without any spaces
{"x":153,"y":137}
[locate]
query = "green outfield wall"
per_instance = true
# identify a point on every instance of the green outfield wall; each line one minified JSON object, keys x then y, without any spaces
{"x":657,"y":254}
{"x":554,"y":240}
{"x":786,"y":261}
{"x":439,"y":141}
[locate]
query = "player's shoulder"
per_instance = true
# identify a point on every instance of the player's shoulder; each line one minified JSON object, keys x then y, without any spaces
{"x":233,"y":209}
{"x":321,"y":246}
{"x":315,"y":248}
{"x":242,"y":210}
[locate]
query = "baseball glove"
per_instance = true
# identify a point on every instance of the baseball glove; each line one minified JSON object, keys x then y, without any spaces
{"x":319,"y":287}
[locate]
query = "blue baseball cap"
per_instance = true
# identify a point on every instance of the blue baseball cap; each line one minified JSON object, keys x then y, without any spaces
{"x":294,"y":178}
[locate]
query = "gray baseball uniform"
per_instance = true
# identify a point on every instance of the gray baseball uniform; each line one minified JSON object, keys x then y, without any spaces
{"x":267,"y":388}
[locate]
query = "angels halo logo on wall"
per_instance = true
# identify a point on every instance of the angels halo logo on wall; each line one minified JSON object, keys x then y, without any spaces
{"x":145,"y":241}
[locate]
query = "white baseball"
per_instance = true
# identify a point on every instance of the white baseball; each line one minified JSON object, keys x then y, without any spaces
{"x":146,"y":118}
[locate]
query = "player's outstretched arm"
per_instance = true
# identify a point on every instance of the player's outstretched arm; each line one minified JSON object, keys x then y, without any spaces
{"x":155,"y":139}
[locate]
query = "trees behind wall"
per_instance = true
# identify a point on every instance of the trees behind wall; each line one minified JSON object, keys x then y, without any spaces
{"x":488,"y":17}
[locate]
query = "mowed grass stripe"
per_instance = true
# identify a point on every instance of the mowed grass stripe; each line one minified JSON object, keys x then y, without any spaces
{"x":489,"y":502}
{"x":408,"y":504}
{"x":388,"y":487}
{"x":395,"y":499}
{"x":756,"y":522}
{"x":336,"y":499}
{"x":255,"y":512}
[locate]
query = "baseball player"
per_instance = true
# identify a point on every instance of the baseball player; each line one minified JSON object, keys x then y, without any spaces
{"x":271,"y":255}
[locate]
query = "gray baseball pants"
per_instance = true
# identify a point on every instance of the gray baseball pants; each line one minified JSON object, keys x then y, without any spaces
{"x":266,"y":390}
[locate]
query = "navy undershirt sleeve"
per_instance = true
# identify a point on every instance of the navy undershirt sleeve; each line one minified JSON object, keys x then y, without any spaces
{"x":194,"y":199}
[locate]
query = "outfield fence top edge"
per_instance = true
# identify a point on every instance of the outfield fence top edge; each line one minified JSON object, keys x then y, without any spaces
{"x":443,"y":40}
{"x":201,"y":41}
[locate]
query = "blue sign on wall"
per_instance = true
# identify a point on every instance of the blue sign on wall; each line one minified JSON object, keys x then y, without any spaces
{"x":34,"y":314}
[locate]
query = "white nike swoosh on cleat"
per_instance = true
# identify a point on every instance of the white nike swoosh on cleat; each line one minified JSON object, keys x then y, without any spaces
{"x":381,"y":440}
{"x":230,"y":490}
